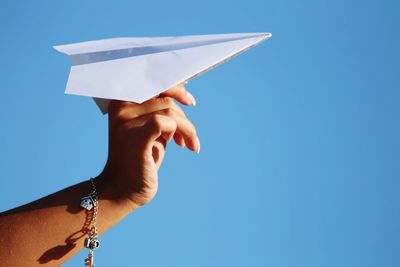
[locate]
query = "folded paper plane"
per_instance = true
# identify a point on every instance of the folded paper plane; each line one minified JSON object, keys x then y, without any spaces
{"x":137,"y":69}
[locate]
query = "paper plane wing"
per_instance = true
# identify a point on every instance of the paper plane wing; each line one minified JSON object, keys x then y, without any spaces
{"x":137,"y":69}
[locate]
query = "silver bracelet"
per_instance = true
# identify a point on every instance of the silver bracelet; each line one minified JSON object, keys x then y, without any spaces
{"x":91,"y":242}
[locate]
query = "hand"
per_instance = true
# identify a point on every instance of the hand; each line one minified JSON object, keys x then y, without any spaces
{"x":138,"y":134}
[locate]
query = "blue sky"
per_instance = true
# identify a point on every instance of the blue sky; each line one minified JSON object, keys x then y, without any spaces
{"x":300,"y":135}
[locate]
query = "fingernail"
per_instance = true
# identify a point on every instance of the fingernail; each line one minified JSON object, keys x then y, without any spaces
{"x":182,"y":143}
{"x":191,"y":98}
{"x":198,"y":145}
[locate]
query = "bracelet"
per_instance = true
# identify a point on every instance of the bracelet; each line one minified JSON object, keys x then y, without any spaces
{"x":91,"y":242}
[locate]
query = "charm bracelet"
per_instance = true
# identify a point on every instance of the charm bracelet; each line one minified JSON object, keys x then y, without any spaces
{"x":91,"y":242}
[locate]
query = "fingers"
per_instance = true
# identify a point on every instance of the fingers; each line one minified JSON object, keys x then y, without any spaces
{"x":160,"y":126}
{"x":180,"y":93}
{"x":185,"y":129}
{"x":128,"y":110}
{"x":179,"y":140}
{"x":159,"y":117}
{"x":184,"y":133}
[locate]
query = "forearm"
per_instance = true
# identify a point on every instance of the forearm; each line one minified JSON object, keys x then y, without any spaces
{"x":51,"y":230}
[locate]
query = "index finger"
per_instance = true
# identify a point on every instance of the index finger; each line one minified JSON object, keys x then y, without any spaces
{"x":180,"y":93}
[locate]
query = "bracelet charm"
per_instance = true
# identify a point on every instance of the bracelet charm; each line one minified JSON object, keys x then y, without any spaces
{"x":87,"y":202}
{"x":89,"y":261}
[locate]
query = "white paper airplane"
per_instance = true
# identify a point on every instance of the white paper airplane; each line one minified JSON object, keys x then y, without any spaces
{"x":137,"y":69}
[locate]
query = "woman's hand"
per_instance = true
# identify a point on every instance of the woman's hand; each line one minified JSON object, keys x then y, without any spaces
{"x":138,"y":134}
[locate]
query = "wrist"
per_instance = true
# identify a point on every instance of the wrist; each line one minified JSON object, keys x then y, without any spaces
{"x":109,"y":191}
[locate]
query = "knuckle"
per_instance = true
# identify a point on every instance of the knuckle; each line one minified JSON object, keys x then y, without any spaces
{"x":167,"y":101}
{"x":168,"y":112}
{"x":155,"y":123}
{"x":125,"y":127}
{"x":119,"y":114}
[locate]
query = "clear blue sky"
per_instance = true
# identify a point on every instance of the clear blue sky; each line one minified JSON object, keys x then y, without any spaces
{"x":300,"y":161}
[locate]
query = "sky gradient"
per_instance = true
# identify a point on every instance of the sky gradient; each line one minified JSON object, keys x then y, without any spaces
{"x":300,"y":162}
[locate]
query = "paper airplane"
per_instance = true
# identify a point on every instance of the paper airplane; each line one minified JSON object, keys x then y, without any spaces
{"x":137,"y":69}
